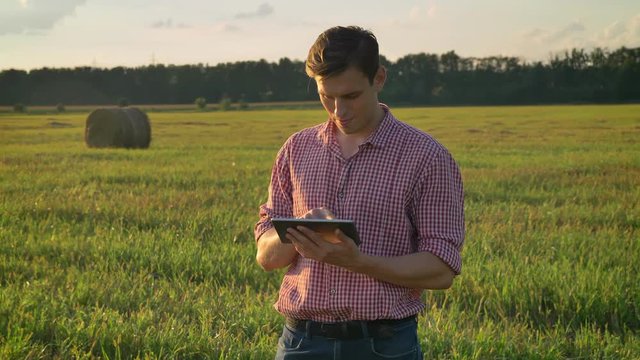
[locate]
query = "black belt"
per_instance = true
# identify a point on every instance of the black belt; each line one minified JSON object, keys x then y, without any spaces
{"x":348,"y":330}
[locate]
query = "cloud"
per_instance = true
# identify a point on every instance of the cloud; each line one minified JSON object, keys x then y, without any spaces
{"x":168,"y":24}
{"x":613,"y":31}
{"x":535,"y":34}
{"x":621,"y":33}
{"x":29,"y":16}
{"x":227,"y":28}
{"x":420,"y":12}
{"x":431,"y":10}
{"x":567,"y":32}
{"x":624,"y":32}
{"x":263,"y":10}
{"x":162,"y":24}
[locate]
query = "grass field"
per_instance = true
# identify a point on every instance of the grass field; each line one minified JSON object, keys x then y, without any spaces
{"x":120,"y":254}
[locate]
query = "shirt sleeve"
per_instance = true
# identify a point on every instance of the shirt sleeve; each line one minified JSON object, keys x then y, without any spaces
{"x":439,"y":210}
{"x":280,"y":201}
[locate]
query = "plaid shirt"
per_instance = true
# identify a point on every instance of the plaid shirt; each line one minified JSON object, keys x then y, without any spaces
{"x":402,"y":189}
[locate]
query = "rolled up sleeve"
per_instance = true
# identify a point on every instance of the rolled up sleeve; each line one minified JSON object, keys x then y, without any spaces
{"x":280,"y":202}
{"x":439,"y":210}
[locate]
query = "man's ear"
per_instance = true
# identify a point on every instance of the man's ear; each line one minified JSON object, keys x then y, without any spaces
{"x":380,"y":78}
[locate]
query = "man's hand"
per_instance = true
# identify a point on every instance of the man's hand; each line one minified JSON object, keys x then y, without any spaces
{"x":318,"y":213}
{"x":331,"y":248}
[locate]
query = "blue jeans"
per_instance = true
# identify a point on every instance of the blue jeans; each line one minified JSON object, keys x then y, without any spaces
{"x":296,"y":345}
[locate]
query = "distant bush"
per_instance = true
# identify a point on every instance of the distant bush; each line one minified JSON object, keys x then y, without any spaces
{"x":225,"y":103}
{"x":123,"y":102}
{"x":201,"y":103}
{"x":19,"y":107}
{"x":60,"y":107}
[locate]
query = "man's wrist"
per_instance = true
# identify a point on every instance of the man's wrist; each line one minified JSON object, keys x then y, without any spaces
{"x":362,"y":264}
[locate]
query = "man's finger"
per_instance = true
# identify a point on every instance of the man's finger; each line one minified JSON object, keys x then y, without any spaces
{"x":313,"y":236}
{"x":301,"y":237}
{"x":326,"y":213}
{"x":343,"y":237}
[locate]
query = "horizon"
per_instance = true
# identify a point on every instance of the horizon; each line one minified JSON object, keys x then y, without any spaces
{"x":35,"y":34}
{"x":523,"y":61}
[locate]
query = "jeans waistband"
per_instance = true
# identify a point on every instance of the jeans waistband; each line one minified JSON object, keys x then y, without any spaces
{"x":353,"y":329}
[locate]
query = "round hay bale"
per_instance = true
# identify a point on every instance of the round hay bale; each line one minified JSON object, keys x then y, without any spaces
{"x":122,"y":127}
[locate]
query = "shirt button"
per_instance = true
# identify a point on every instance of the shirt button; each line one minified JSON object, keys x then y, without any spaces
{"x":340,"y":194}
{"x":332,"y":291}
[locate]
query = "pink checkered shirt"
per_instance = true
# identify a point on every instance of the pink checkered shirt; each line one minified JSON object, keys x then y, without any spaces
{"x":402,"y":189}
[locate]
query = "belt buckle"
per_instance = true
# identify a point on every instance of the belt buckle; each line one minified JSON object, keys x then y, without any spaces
{"x":327,"y":330}
{"x":333,"y":331}
{"x":384,"y":331}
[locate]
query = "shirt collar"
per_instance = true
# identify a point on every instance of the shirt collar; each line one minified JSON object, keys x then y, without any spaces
{"x":379,"y":138}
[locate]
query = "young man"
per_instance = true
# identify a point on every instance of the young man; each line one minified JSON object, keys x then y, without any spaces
{"x":402,"y":189}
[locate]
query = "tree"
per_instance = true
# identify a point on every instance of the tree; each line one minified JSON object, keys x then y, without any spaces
{"x":123,"y":102}
{"x":225,"y":103}
{"x":19,"y":108}
{"x":201,"y":103}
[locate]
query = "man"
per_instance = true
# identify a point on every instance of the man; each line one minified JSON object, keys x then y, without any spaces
{"x":402,"y":189}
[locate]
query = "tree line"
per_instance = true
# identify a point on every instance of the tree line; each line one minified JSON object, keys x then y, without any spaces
{"x":596,"y":76}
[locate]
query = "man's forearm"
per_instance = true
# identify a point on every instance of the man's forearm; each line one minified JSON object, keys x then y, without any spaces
{"x":272,"y":253}
{"x":421,"y":270}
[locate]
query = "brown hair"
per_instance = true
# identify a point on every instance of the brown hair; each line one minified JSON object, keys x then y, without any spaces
{"x":339,"y":48}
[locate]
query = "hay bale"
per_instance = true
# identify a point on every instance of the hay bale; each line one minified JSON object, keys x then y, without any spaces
{"x":123,"y":127}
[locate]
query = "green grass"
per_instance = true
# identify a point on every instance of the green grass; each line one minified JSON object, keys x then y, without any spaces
{"x":150,"y":253}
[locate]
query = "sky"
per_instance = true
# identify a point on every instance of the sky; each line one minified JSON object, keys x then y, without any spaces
{"x":109,"y":33}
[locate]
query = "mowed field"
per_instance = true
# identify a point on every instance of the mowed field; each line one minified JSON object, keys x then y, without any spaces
{"x":118,"y":254}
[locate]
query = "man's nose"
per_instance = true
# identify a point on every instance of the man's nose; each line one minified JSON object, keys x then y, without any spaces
{"x":339,"y":108}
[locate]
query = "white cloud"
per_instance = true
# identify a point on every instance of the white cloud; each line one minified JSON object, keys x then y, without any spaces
{"x":431,"y":10}
{"x":161,"y":24}
{"x":538,"y":42}
{"x":27,"y":16}
{"x":414,"y":13}
{"x":620,"y":33}
{"x":226,"y":27}
{"x":168,"y":24}
{"x":613,"y":31}
{"x":263,"y":10}
{"x":575,"y":27}
{"x":420,"y":12}
{"x":535,"y":34}
{"x":568,"y":32}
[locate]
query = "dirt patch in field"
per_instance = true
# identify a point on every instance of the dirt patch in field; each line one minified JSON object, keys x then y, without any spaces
{"x":58,"y":124}
{"x":195,"y":123}
{"x":202,"y":123}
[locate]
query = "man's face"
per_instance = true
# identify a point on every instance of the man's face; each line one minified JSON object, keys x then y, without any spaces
{"x":351,"y":100}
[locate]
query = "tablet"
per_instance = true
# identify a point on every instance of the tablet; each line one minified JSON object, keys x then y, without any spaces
{"x":326,"y":226}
